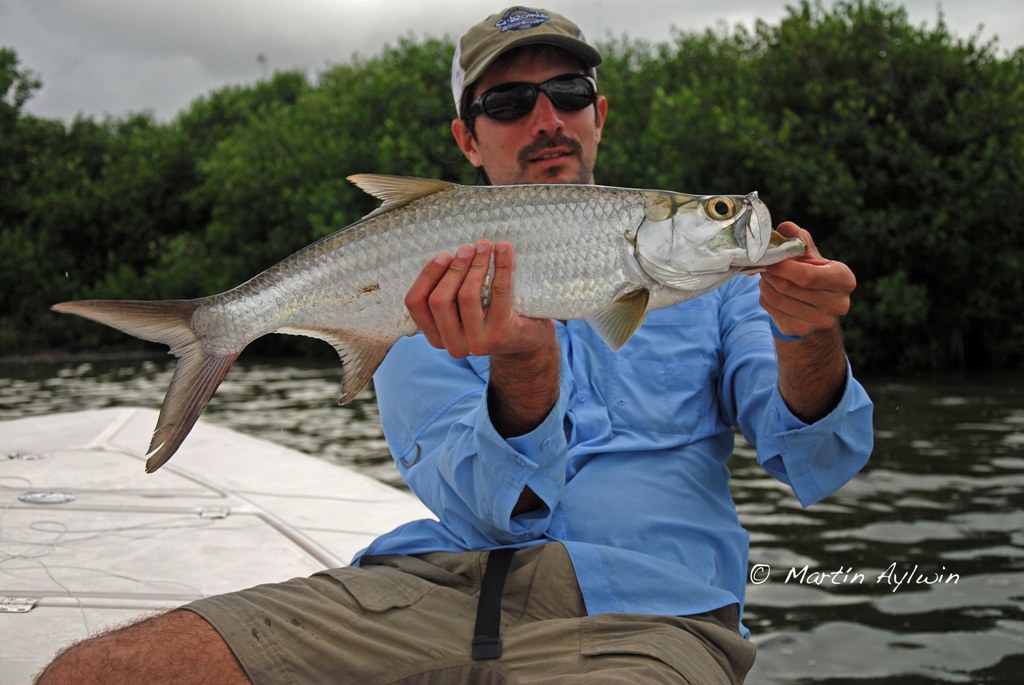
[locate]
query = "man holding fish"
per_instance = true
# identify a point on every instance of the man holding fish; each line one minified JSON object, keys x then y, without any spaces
{"x":585,"y":529}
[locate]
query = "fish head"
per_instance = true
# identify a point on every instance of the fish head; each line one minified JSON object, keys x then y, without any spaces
{"x":692,"y":242}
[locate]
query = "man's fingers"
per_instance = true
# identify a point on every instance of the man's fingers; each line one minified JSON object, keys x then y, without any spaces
{"x":471,"y":308}
{"x":810,"y":278}
{"x":422,"y":287}
{"x":501,"y":284}
{"x":817,"y":308}
{"x":444,"y":303}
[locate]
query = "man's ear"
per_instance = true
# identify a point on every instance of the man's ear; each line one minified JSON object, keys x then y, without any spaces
{"x":466,"y":142}
{"x":600,"y":114}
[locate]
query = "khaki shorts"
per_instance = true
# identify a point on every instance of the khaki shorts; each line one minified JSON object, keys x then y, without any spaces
{"x":411,"y":620}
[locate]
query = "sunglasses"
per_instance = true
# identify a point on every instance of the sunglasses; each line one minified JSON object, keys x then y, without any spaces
{"x":511,"y":101}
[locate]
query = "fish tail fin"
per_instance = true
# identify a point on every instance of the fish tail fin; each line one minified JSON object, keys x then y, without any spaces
{"x":196,"y":376}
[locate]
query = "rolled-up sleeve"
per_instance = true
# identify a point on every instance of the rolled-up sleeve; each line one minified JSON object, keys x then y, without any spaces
{"x":451,"y":455}
{"x":819,"y":458}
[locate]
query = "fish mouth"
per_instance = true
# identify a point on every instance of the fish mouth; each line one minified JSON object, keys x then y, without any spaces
{"x":777,"y":241}
{"x":776,"y":238}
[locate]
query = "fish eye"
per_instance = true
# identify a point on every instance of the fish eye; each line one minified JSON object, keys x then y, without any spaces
{"x":720,"y":208}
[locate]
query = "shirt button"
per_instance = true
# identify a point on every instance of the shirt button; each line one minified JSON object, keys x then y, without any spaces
{"x":545,"y":444}
{"x":583,"y":397}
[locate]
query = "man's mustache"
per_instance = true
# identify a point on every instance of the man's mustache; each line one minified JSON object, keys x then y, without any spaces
{"x":537,"y":148}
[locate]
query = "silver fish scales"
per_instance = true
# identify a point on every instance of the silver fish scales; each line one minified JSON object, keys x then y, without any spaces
{"x":607,"y":255}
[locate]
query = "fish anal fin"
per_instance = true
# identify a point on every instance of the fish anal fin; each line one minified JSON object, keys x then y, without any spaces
{"x":617,"y":321}
{"x":396,"y":191}
{"x":360,"y":355}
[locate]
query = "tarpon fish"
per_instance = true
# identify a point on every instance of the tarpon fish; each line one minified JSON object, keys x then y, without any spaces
{"x":603,"y":254}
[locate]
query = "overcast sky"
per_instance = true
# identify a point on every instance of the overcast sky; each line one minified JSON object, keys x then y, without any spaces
{"x":121,"y":56}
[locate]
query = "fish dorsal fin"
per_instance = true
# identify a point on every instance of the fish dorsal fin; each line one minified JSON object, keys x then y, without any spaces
{"x":617,"y":321}
{"x":396,"y":191}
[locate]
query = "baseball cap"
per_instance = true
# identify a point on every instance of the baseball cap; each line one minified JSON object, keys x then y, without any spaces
{"x":512,"y":28}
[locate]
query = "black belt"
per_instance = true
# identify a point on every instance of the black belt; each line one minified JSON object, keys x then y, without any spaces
{"x":486,"y":638}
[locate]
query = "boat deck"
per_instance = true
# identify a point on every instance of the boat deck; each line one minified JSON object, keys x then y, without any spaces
{"x":88,"y":540}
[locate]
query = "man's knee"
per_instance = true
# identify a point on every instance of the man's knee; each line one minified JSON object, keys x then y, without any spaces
{"x":178,"y":647}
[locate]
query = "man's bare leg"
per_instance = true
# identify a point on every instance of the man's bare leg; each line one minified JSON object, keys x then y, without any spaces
{"x":178,"y":647}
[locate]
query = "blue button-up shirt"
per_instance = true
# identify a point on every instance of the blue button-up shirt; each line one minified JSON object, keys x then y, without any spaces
{"x":631,"y":463}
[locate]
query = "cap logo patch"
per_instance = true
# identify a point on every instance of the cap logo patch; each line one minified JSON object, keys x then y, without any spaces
{"x":520,"y":19}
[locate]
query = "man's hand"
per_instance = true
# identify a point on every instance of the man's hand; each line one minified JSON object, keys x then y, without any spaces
{"x":806,"y":294}
{"x":446,"y":302}
{"x":806,"y":297}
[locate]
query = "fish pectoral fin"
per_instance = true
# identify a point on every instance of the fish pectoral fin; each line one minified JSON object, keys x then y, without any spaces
{"x":396,"y":191}
{"x":617,"y":321}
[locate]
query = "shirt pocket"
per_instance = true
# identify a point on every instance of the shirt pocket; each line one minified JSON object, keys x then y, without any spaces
{"x":663,"y":379}
{"x":660,"y":396}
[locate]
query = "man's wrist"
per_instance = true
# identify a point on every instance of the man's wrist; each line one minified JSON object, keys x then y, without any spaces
{"x":523,"y":388}
{"x":784,"y":336}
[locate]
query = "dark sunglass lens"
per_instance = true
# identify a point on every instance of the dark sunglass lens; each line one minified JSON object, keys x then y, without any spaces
{"x":510,"y":103}
{"x":571,"y":94}
{"x":515,"y":100}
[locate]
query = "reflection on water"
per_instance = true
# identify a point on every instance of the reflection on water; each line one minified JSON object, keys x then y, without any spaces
{"x":910,"y":574}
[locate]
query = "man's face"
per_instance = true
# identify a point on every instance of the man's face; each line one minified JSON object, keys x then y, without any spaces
{"x":548,"y":145}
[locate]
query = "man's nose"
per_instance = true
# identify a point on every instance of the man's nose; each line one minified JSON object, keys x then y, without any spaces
{"x":546,"y":118}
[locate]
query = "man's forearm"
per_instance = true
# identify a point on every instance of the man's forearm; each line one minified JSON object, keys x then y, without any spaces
{"x":523,"y":389}
{"x":812,"y":373}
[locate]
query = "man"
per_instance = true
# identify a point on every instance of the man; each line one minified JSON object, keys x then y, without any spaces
{"x":605,"y":472}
